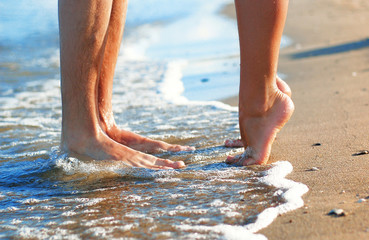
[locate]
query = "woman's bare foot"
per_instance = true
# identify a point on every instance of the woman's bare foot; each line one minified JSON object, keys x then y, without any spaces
{"x":259,"y":130}
{"x":283,"y":87}
{"x":101,"y":147}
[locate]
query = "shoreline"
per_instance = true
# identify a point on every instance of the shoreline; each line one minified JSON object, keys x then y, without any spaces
{"x":327,"y":67}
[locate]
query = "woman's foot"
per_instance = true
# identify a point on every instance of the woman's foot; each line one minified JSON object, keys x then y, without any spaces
{"x":259,"y":130}
{"x":283,"y":87}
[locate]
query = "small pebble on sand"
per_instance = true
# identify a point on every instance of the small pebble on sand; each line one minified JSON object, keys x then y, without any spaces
{"x":361,"y":153}
{"x":313,"y":169}
{"x":337,"y":212}
{"x":361,"y":200}
{"x":316,"y":144}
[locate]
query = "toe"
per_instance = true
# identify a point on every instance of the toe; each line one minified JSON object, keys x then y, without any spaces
{"x":179,"y":148}
{"x":189,"y":148}
{"x":233,"y":143}
{"x":248,"y":162}
{"x":184,"y":148}
{"x":233,"y":159}
{"x":283,"y":86}
{"x":179,"y":164}
{"x":169,"y":163}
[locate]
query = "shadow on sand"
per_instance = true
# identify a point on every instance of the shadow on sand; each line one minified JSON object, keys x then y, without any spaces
{"x":345,"y":47}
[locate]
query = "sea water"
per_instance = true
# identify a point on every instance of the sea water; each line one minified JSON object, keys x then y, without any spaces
{"x":177,"y":58}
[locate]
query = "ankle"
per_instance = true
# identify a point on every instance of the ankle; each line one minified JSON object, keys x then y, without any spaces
{"x":260,"y":108}
{"x":256,"y":105}
{"x":107,"y":122}
{"x":77,"y":139}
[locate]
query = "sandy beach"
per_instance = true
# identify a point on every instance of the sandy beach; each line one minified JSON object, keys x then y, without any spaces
{"x":46,"y":193}
{"x":327,"y":67}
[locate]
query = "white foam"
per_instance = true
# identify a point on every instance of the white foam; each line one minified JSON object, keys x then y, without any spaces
{"x":171,"y":86}
{"x":292,"y":195}
{"x":217,"y":203}
{"x":30,"y":201}
{"x":228,"y":231}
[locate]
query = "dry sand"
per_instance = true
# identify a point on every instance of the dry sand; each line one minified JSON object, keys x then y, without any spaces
{"x":327,"y":67}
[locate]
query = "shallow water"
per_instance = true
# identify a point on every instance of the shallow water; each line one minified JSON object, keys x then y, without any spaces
{"x":45,"y":193}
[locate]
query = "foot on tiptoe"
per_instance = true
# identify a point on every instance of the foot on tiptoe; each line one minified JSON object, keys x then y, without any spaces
{"x":284,"y":88}
{"x":258,"y":131}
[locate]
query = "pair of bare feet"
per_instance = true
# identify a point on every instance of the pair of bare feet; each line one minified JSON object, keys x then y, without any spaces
{"x":117,"y":144}
{"x":125,"y":146}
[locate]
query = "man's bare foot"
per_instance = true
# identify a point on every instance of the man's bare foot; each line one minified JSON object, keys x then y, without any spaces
{"x":133,"y":140}
{"x":233,"y":143}
{"x":102,"y":147}
{"x":143,"y":144}
{"x":283,"y":87}
{"x":259,"y":131}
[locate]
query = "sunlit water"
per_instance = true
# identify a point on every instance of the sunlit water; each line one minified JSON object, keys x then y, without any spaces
{"x":44,"y":193}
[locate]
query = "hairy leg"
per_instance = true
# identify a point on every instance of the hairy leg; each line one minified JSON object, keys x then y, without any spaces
{"x":83,"y":35}
{"x":265,"y":104}
{"x":105,"y":90}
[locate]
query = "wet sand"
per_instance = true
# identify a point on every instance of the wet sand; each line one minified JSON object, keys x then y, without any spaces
{"x":327,"y":68}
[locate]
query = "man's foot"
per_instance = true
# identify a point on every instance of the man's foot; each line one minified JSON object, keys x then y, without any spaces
{"x":236,"y":143}
{"x":102,"y":147}
{"x":283,"y":87}
{"x":133,"y":140}
{"x":143,"y":144}
{"x":259,"y":131}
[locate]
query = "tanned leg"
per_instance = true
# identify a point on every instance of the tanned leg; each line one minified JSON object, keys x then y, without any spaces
{"x":108,"y":124}
{"x":237,"y":143}
{"x":265,"y":104}
{"x":83,"y":35}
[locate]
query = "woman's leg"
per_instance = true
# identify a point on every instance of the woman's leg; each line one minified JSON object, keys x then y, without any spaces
{"x":264,"y":103}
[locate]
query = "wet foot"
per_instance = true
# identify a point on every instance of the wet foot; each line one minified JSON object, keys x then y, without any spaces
{"x":237,"y":143}
{"x":259,"y":131}
{"x":102,"y":147}
{"x":143,"y":144}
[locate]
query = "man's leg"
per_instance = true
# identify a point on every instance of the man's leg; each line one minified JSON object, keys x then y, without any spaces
{"x":264,"y":102}
{"x":130,"y":139}
{"x":83,"y":36}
